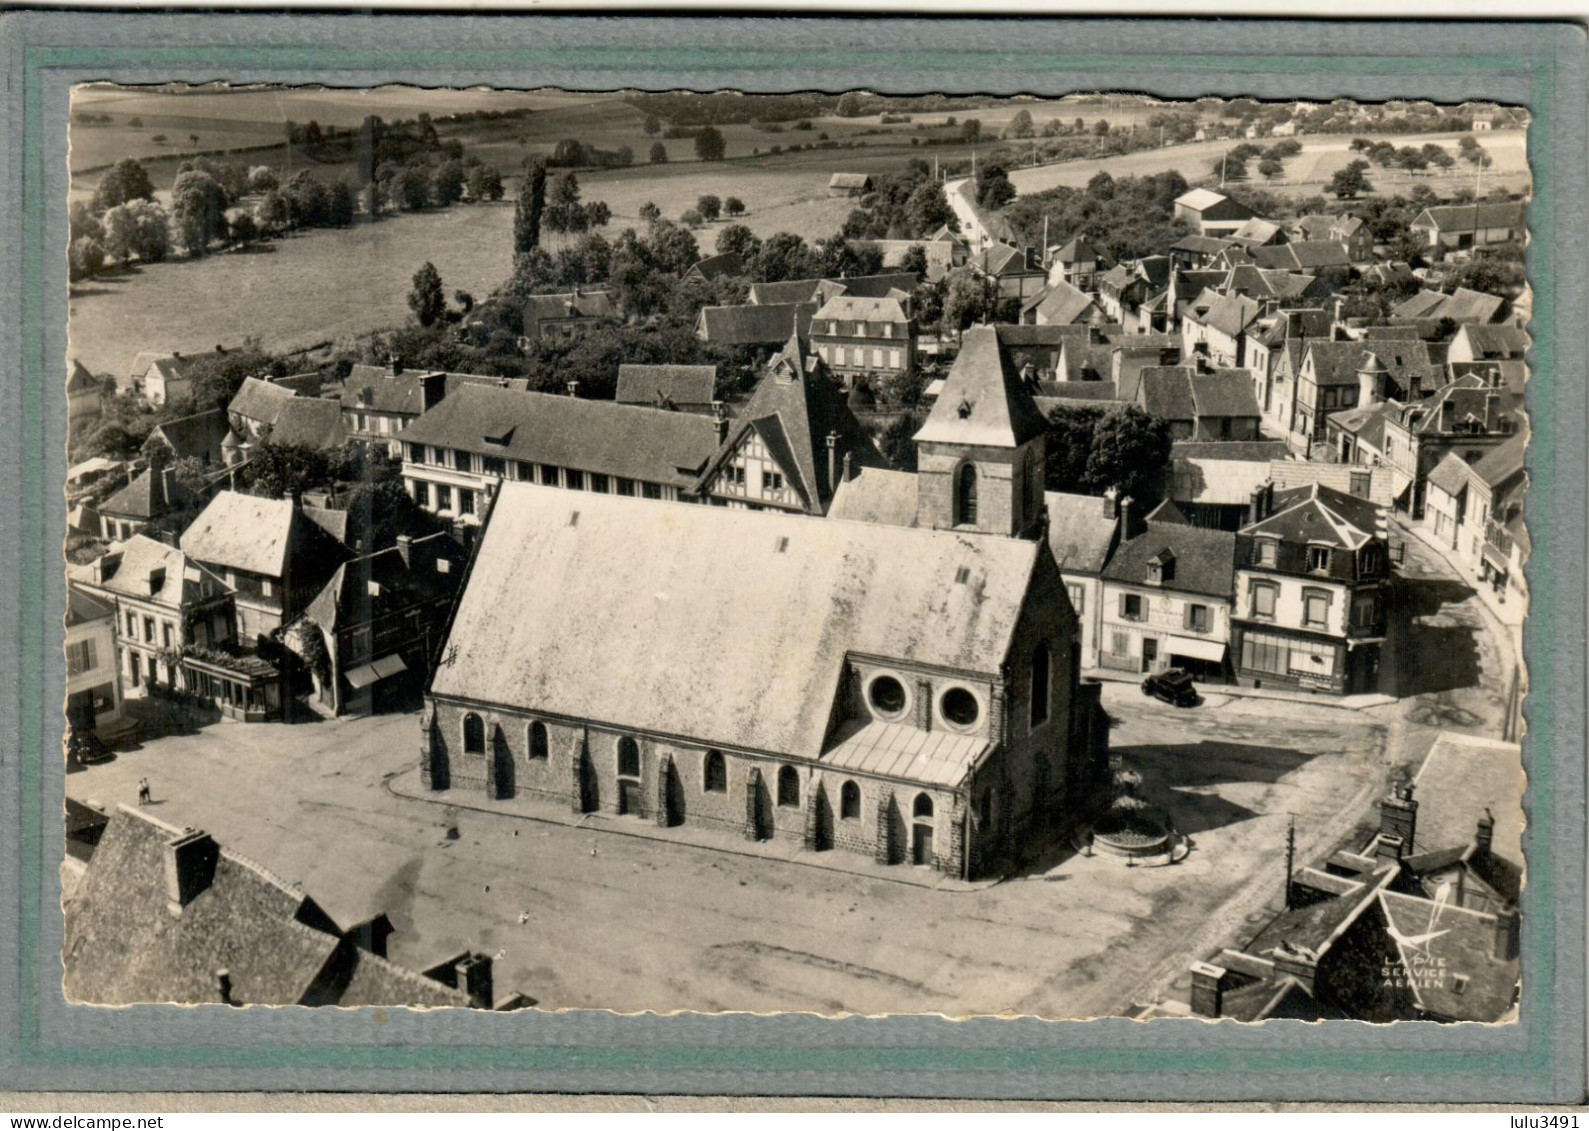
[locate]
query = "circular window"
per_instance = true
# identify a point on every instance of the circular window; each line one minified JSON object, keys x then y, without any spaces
{"x":960,"y":707}
{"x":887,"y":695}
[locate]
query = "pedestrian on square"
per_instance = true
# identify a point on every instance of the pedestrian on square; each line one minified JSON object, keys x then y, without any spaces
{"x":143,"y":791}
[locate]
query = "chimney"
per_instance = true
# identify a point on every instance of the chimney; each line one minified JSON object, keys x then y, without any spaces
{"x":1484,"y":835}
{"x":1291,"y":961}
{"x":168,"y":480}
{"x":1504,"y":946}
{"x":220,"y":348}
{"x":720,"y":420}
{"x":1255,"y":506}
{"x":1389,"y":849}
{"x":833,"y":460}
{"x":1111,"y":502}
{"x":1448,"y":415}
{"x":1491,"y":400}
{"x":1398,"y":815}
{"x":189,"y":868}
{"x":432,"y":389}
{"x":405,"y":549}
{"x":1208,"y":989}
{"x":394,"y":365}
{"x":1268,"y":497}
{"x":1125,"y":518}
{"x":847,"y":471}
{"x":473,"y":972}
{"x":176,"y":355}
{"x":573,"y":387}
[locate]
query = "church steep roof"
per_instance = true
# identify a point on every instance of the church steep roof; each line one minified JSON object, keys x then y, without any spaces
{"x":983,"y":401}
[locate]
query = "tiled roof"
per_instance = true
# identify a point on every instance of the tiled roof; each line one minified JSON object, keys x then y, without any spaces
{"x":259,"y":400}
{"x":1059,"y":303}
{"x":79,"y":379}
{"x":1303,"y":255}
{"x":1166,"y":392}
{"x":1081,"y":531}
{"x":1467,"y":397}
{"x":680,"y":384}
{"x":375,"y":388}
{"x":142,"y":498}
{"x":887,"y":285}
{"x":1224,"y":392}
{"x":1451,"y":942}
{"x":1318,"y":925}
{"x":1501,"y":463}
{"x":1450,"y":474}
{"x":196,"y":437}
{"x":1077,"y":250}
{"x":1498,"y":342}
{"x":850,"y":180}
{"x":1462,"y":305}
{"x":1001,"y":259}
{"x":1205,"y":560}
{"x":1256,"y":231}
{"x":367,"y":588}
{"x":1319,"y":514}
{"x":877,"y":495}
{"x":784,"y":292}
{"x":1200,"y":245}
{"x":717,"y":266}
{"x":735,"y":604}
{"x":984,"y":400}
{"x":854,"y":308}
{"x":1229,"y":314}
{"x":1471,"y":217}
{"x":648,"y":444}
{"x":133,"y":568}
{"x":754,"y":324}
{"x":247,"y":532}
{"x":309,"y":422}
{"x":580,"y":304}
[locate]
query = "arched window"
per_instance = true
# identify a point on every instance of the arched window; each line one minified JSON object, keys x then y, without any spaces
{"x":715,"y":773}
{"x":788,"y":786}
{"x":628,"y":757}
{"x":537,"y":744}
{"x":474,"y":735}
{"x":850,"y":801}
{"x":922,"y":809}
{"x":1040,"y":684}
{"x":966,"y":495}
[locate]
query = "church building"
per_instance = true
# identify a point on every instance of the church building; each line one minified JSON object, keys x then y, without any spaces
{"x":907,"y":691}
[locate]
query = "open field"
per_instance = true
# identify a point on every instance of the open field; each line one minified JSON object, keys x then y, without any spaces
{"x":1305,"y":174}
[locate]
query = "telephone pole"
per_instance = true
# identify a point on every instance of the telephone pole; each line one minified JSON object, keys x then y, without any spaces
{"x":1291,"y":851}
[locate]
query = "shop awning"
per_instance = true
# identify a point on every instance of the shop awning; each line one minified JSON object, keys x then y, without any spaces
{"x":366,"y":674}
{"x":1210,"y":650}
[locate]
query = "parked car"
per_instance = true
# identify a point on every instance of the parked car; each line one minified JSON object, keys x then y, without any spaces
{"x":1174,"y":686}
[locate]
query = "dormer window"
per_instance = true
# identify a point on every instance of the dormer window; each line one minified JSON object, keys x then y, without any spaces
{"x":1319,"y":559}
{"x":1265,"y":551}
{"x":1161,"y":568}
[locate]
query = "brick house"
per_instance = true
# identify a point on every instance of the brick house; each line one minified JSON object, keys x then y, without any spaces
{"x":859,"y":337}
{"x":480,"y":436}
{"x":909,"y":694}
{"x":1313,"y":592}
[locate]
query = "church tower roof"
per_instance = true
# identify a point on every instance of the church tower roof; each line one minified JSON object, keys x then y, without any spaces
{"x":984,"y":401}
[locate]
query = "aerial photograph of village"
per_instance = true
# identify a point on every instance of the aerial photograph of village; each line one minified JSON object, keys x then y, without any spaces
{"x":830,"y":553}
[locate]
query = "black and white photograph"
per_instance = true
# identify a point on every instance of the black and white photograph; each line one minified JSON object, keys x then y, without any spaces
{"x":828,"y":553}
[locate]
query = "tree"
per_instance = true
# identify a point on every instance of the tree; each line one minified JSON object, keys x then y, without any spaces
{"x":965,"y":299}
{"x":245,"y":229}
{"x":274,"y":215}
{"x":653,"y":125}
{"x":898,"y":441}
{"x":970,"y":130}
{"x":139,"y":227}
{"x":736,"y":239}
{"x":1130,"y":451}
{"x":710,"y":206}
{"x":447,"y":184}
{"x":1100,"y":128}
{"x":1070,"y":435}
{"x":927,"y":209}
{"x":1021,"y":124}
{"x":87,"y":257}
{"x":285,"y":471}
{"x":531,"y":204}
{"x":784,"y":256}
{"x":1350,"y":182}
{"x":597,"y":214}
{"x":427,"y":299}
{"x":372,"y":198}
{"x":1230,"y":166}
{"x":709,"y":144}
{"x":994,"y":189}
{"x":733,"y":206}
{"x":411,"y":188}
{"x":125,"y":181}
{"x":914,"y":261}
{"x":198,"y":208}
{"x":690,"y":218}
{"x":569,"y":152}
{"x":659,"y":153}
{"x":564,"y":212}
{"x":1101,"y":186}
{"x":261,"y":179}
{"x":1271,"y":167}
{"x":650,"y":213}
{"x":341,"y":204}
{"x":849,"y":105}
{"x":485,"y":183}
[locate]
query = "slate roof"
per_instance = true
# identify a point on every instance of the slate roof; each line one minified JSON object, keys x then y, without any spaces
{"x":142,"y":498}
{"x":247,"y":532}
{"x":1205,"y":560}
{"x":1450,"y":474}
{"x":1059,"y":302}
{"x":717,"y":266}
{"x":1166,"y":392}
{"x":1467,"y":397}
{"x":1495,"y":342}
{"x":196,"y":437}
{"x":1256,"y":232}
{"x":1336,"y":363}
{"x":887,"y":285}
{"x":734,"y":603}
{"x":1081,"y":532}
{"x":630,"y":441}
{"x":983,"y":401}
{"x":1462,"y":305}
{"x":784,"y":292}
{"x":1319,"y":514}
{"x":855,"y":308}
{"x":1502,"y":463}
{"x":680,"y":384}
{"x":1001,"y":259}
{"x":309,"y":422}
{"x":375,"y":388}
{"x":1460,"y":945}
{"x":575,"y":304}
{"x":1224,"y":392}
{"x":1367,"y":422}
{"x":1244,"y":451}
{"x":79,"y":379}
{"x":349,"y":599}
{"x":1201,"y":245}
{"x":877,"y":495}
{"x":259,"y":400}
{"x":794,"y":409}
{"x":850,"y":181}
{"x":1077,"y":250}
{"x":1229,"y":314}
{"x":1471,"y":217}
{"x":1303,"y":255}
{"x":1318,"y":925}
{"x":1461,"y":776}
{"x":754,"y":324}
{"x":130,"y":570}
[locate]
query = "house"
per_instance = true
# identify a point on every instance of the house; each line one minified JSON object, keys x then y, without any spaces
{"x":1273,"y":353}
{"x":1478,"y":342}
{"x":1339,"y":375}
{"x":1059,"y":304}
{"x":272,"y":557}
{"x":1206,"y":406}
{"x":1419,"y":924}
{"x":1195,"y":252}
{"x":723,"y":265}
{"x":264,"y":411}
{"x":1356,"y":436}
{"x":927,"y":709}
{"x":1288,"y":128}
{"x":786,"y":292}
{"x":1166,"y":598}
{"x":1469,"y":416}
{"x":369,"y":638}
{"x":1325,"y":259}
{"x":84,"y":396}
{"x":93,"y":675}
{"x":767,"y":325}
{"x":687,"y":388}
{"x":857,"y":338}
{"x":1312,"y":592}
{"x":1012,"y":272}
{"x":563,"y":317}
{"x":1211,"y":213}
{"x":1083,"y":531}
{"x":1447,"y":227}
{"x":1121,"y":293}
{"x":1475,"y":509}
{"x":479,"y":437}
{"x":171,"y":616}
{"x":165,"y":377}
{"x":131,"y":510}
{"x":1214,"y":326}
{"x":943,"y":252}
{"x":379,"y":401}
{"x":1256,"y":233}
{"x":793,"y":444}
{"x":849,"y":184}
{"x":201,"y":436}
{"x":1349,"y":231}
{"x":1212,"y":482}
{"x":161,"y":913}
{"x":1075,"y":263}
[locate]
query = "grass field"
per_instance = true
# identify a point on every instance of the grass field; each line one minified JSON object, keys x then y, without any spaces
{"x":1305,"y":174}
